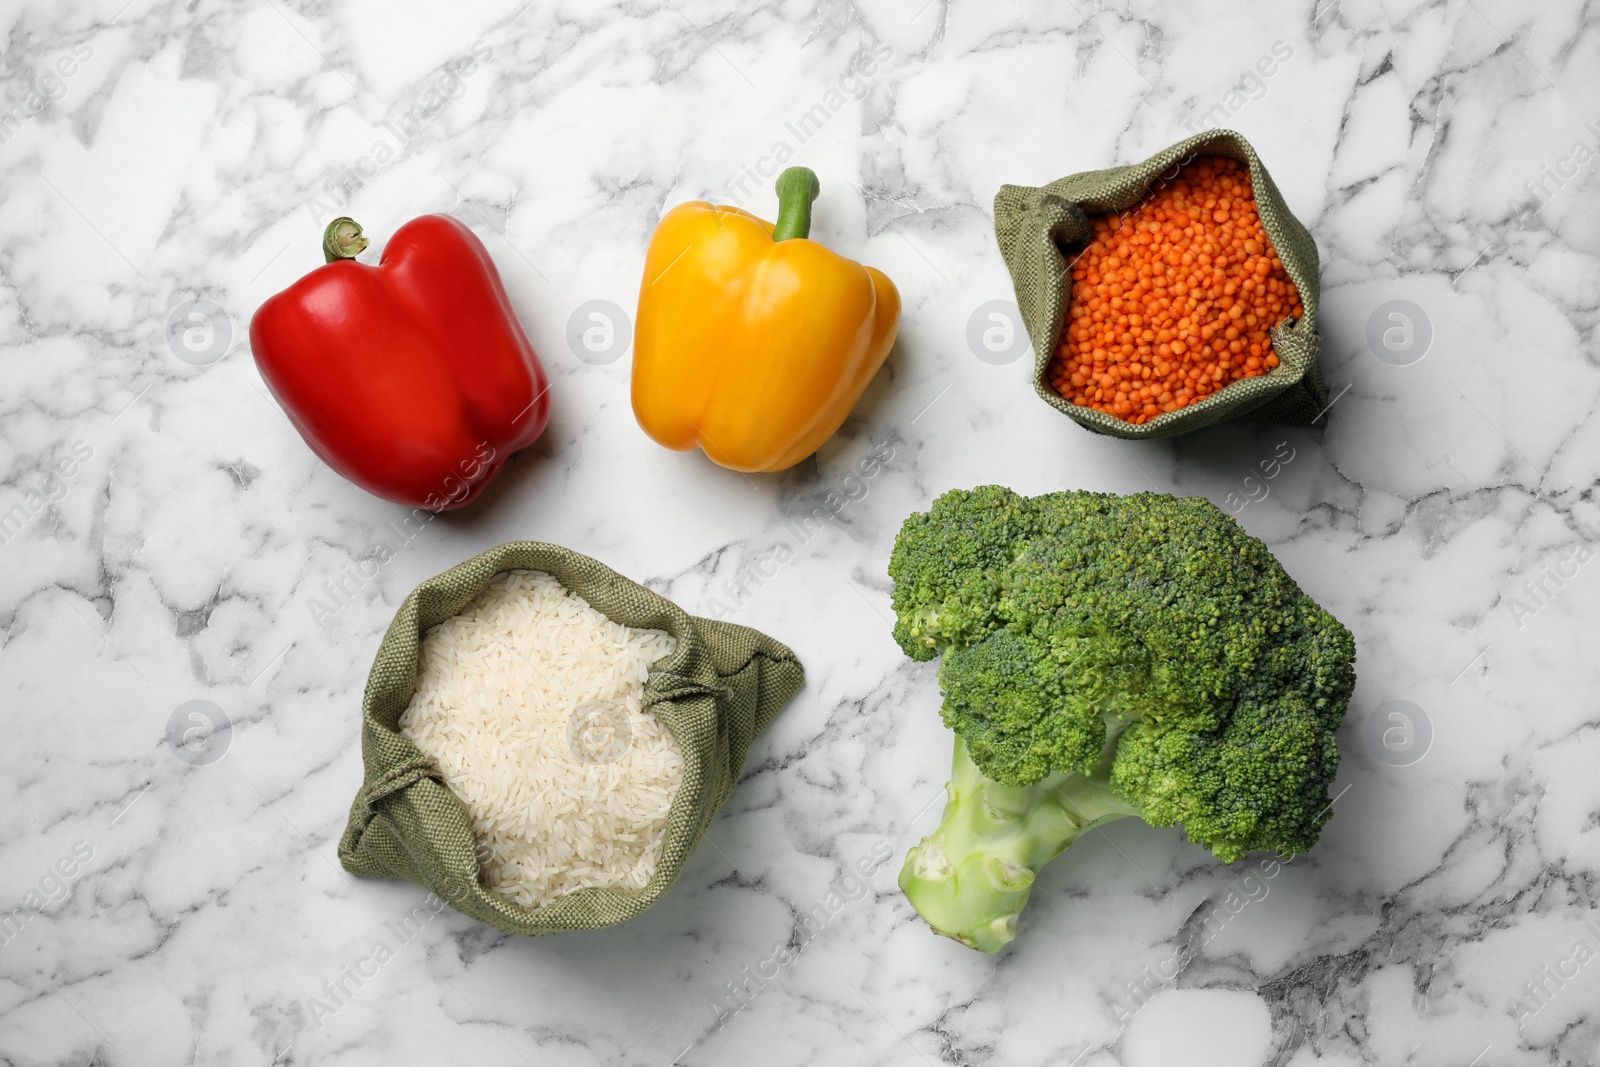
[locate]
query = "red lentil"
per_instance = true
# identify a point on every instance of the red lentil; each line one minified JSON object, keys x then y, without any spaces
{"x":1174,"y":299}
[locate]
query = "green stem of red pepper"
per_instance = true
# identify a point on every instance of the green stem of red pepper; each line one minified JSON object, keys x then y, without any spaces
{"x":342,"y":240}
{"x":797,"y":187}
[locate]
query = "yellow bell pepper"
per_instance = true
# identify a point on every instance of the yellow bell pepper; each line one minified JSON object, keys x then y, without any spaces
{"x":753,"y":342}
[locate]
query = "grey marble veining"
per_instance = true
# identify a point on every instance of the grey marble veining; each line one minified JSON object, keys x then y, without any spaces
{"x":170,"y":550}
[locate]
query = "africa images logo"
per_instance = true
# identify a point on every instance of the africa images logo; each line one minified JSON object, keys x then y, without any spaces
{"x":45,"y":90}
{"x":340,"y":188}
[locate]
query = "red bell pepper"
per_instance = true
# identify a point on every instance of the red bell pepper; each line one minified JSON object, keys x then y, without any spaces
{"x":413,"y":379}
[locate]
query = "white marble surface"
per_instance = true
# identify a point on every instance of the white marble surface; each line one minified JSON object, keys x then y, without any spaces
{"x":175,"y":553}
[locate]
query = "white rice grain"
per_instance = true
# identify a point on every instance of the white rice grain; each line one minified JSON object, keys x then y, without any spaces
{"x":557,"y":803}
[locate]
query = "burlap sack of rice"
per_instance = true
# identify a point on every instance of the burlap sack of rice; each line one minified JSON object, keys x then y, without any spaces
{"x":717,"y":689}
{"x":1041,"y":231}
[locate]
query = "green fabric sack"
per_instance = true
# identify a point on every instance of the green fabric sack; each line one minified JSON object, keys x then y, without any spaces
{"x":722,"y":686}
{"x":1042,"y":230}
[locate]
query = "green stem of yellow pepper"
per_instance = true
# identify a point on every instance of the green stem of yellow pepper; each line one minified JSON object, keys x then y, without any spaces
{"x":797,"y":187}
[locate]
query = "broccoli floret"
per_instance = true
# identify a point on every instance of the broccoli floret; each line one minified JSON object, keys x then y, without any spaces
{"x":1106,"y":656}
{"x":1008,"y":697}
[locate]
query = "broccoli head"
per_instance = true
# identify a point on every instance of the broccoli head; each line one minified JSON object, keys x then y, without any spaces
{"x":1105,"y":656}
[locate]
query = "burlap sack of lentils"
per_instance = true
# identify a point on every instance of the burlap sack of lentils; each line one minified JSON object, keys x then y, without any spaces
{"x":1042,"y":230}
{"x":722,"y":686}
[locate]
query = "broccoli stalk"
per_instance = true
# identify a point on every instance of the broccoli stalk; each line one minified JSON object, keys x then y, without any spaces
{"x":1105,"y":656}
{"x":1000,"y":836}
